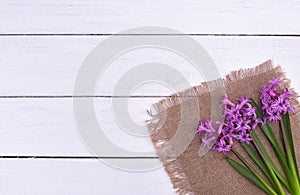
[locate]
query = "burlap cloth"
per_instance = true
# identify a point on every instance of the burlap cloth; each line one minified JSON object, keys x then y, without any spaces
{"x":209,"y":174}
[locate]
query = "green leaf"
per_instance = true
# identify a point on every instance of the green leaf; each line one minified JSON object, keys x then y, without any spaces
{"x":282,"y":138}
{"x":251,"y":176}
{"x":290,"y":152}
{"x":269,"y":133}
{"x":259,"y":162}
{"x":259,"y":113}
{"x":286,"y":120}
{"x":272,"y":168}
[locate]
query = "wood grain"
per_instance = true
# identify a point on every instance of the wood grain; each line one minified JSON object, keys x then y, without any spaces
{"x":42,"y":47}
{"x":77,"y":177}
{"x":48,"y":66}
{"x":47,"y":127}
{"x":106,"y":17}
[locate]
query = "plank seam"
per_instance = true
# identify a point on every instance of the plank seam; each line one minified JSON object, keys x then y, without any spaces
{"x":83,"y":96}
{"x":76,"y":157}
{"x":144,"y":34}
{"x":70,"y":97}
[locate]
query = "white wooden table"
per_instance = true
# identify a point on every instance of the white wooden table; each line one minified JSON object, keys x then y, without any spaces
{"x":42,"y":46}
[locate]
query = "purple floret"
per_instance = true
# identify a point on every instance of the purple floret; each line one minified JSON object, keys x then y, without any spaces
{"x":240,"y":119}
{"x":275,"y":102}
{"x":210,"y":132}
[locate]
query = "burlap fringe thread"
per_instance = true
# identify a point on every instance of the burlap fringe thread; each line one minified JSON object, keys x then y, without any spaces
{"x":160,"y":139}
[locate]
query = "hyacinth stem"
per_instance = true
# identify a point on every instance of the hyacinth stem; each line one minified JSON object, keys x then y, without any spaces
{"x":268,"y":132}
{"x":250,"y":176}
{"x":258,"y":161}
{"x":290,"y":153}
{"x":286,"y":120}
{"x":281,"y":138}
{"x":260,"y":181}
{"x":273,"y":170}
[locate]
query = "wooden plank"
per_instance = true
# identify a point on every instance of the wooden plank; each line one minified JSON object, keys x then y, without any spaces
{"x":48,"y":66}
{"x":47,"y":127}
{"x":230,"y":17}
{"x":43,"y":176}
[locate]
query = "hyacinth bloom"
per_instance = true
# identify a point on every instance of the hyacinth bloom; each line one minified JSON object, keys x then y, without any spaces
{"x":240,"y":119}
{"x":275,"y":102}
{"x":211,"y":132}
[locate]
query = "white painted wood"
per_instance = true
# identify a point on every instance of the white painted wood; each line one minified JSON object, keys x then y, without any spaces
{"x":48,"y":65}
{"x":106,"y":16}
{"x":47,"y":127}
{"x":43,"y":65}
{"x":77,"y":177}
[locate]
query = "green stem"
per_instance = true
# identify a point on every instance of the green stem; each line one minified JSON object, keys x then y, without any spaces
{"x":288,"y":142}
{"x":268,"y":132}
{"x":268,"y":161}
{"x":248,"y":175}
{"x":281,"y":138}
{"x":258,"y":161}
{"x":265,"y":184}
{"x":286,"y":119}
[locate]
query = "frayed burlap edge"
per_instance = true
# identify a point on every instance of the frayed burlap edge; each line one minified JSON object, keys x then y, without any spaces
{"x":160,"y":139}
